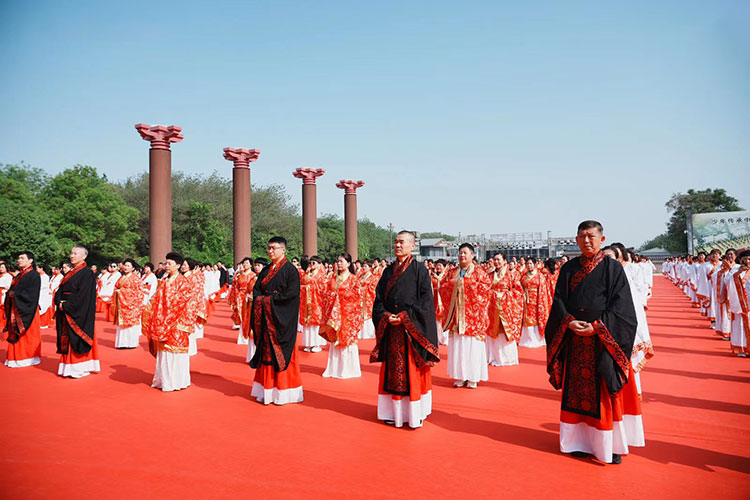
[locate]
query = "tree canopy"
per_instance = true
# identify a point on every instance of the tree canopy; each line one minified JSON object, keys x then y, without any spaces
{"x":699,"y":201}
{"x":47,"y":215}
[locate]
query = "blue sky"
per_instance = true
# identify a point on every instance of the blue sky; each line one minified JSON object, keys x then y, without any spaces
{"x":482,"y":117}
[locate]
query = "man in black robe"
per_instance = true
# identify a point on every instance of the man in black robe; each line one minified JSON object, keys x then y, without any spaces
{"x":274,"y":320}
{"x":590,"y":335}
{"x":76,"y":309}
{"x":406,"y":338}
{"x":22,"y":315}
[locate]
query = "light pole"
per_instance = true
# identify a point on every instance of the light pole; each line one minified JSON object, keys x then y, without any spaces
{"x":390,"y":229}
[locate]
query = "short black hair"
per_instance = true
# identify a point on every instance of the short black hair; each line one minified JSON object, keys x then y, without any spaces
{"x":262,"y":261}
{"x":317,"y":259}
{"x":192,"y":263}
{"x":246,"y":259}
{"x":149,"y":265}
{"x":589,"y":224}
{"x":28,"y":254}
{"x":179,"y":259}
{"x":466,"y":245}
{"x":278,"y":239}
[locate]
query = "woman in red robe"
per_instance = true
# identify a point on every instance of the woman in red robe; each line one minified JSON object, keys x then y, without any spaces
{"x":368,"y":282}
{"x":536,"y":306}
{"x":197,"y":302}
{"x":342,"y":321}
{"x":240,"y":299}
{"x":313,"y":287}
{"x":128,"y":307}
{"x":465,"y":292}
{"x":506,"y":315}
{"x":436,"y":277}
{"x":168,"y":322}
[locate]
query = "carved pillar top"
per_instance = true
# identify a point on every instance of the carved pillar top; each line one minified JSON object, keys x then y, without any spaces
{"x":241,"y":156}
{"x":350,"y":186}
{"x":308,"y":175}
{"x":159,"y":135}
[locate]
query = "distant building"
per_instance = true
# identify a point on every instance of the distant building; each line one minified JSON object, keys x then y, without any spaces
{"x":434,"y":248}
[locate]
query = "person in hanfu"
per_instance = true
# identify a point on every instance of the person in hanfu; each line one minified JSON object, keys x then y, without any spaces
{"x":406,"y":341}
{"x":505,"y":313}
{"x":76,"y":310}
{"x":590,"y":336}
{"x":273,"y":316}
{"x":128,"y":306}
{"x":22,"y":319}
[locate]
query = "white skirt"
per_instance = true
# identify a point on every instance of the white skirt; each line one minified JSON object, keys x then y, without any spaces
{"x":467,"y":358}
{"x":531,"y":337}
{"x":192,"y":345}
{"x":368,"y":330}
{"x":343,"y":362}
{"x":22,"y":363}
{"x":127,"y":338}
{"x":404,"y":410}
{"x":78,"y":370}
{"x":240,"y":339}
{"x":442,"y":336}
{"x":310,"y":337}
{"x":199,"y":331}
{"x":737,"y":337}
{"x":276,"y":396}
{"x":501,"y":351}
{"x":250,"y":350}
{"x":172,"y":371}
{"x":602,"y":444}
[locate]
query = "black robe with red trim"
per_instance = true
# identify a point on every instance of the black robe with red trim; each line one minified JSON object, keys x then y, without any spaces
{"x":576,"y":364}
{"x":409,"y":297}
{"x":274,"y":316}
{"x":75,"y":320}
{"x":21,"y":305}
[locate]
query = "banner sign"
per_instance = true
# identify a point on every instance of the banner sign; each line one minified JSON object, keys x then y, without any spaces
{"x":721,"y":230}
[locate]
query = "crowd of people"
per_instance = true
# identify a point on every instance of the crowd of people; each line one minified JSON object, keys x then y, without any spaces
{"x":579,"y":309}
{"x":718,"y":285}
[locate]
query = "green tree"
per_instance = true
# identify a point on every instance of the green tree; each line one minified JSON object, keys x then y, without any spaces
{"x":699,"y":201}
{"x":436,"y":234}
{"x":26,"y":222}
{"x":331,"y":237}
{"x":85,"y":209}
{"x":373,"y":241}
{"x":201,"y":235}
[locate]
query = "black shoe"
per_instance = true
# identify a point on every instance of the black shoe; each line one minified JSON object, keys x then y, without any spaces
{"x":616,"y":459}
{"x":579,"y":454}
{"x":389,"y":422}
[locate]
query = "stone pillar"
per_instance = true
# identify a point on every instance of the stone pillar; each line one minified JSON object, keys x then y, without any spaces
{"x":350,"y":214}
{"x":309,"y":208}
{"x":160,"y":187}
{"x":241,"y":158}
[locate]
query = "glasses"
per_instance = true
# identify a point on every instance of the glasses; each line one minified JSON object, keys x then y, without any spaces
{"x":273,"y":248}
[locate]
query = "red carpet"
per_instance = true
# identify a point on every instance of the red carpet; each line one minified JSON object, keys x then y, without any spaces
{"x":111,"y":435}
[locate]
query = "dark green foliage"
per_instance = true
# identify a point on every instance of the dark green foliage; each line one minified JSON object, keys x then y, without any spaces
{"x":48,"y":215}
{"x":699,"y":201}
